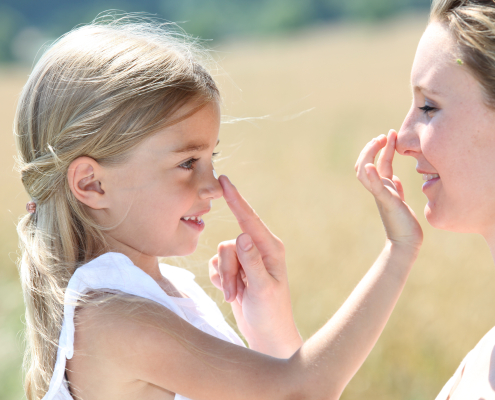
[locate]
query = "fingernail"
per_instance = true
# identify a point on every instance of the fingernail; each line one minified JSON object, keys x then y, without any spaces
{"x":245,"y":242}
{"x":227,"y":295}
{"x":228,"y":180}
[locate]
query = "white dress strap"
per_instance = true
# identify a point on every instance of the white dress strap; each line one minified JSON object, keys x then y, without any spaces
{"x":116,"y":271}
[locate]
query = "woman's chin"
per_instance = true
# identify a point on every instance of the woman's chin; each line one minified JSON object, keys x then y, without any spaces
{"x":439,"y":219}
{"x":434,"y":219}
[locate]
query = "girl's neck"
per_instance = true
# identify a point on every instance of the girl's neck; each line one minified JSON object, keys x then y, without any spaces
{"x":148,"y":264}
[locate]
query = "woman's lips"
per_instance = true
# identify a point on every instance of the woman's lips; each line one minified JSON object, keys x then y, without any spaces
{"x":431,"y":181}
{"x":427,"y":177}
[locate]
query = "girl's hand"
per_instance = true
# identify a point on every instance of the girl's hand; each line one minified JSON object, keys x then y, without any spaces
{"x":401,"y":225}
{"x":252,"y":274}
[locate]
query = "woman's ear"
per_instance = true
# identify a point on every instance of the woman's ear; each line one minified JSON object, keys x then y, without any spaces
{"x":85,"y":181}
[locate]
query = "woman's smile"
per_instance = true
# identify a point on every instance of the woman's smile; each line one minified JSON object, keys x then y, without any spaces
{"x":430,"y":180}
{"x":449,"y":130}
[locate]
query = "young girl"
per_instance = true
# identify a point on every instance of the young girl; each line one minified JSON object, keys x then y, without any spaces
{"x":116,"y":128}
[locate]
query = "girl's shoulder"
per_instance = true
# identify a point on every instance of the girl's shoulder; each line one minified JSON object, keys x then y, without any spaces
{"x":129,"y":332}
{"x":115,"y":271}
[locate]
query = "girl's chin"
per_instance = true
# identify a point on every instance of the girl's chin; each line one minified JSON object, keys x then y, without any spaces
{"x":185,"y":249}
{"x":183,"y":252}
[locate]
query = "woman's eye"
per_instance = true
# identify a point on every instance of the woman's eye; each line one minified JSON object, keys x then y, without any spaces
{"x":426,"y":109}
{"x":189,"y":164}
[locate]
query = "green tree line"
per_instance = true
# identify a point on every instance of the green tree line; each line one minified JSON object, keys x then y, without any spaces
{"x":211,"y":19}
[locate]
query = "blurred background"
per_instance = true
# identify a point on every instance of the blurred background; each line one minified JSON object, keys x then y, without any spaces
{"x":310,"y":82}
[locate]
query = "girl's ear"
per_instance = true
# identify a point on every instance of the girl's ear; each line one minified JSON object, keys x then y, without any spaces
{"x":85,"y":182}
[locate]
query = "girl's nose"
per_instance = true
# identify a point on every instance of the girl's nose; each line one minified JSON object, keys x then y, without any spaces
{"x":408,"y":143}
{"x":211,"y":188}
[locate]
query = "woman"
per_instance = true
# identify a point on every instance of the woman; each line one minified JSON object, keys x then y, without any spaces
{"x":450,"y":130}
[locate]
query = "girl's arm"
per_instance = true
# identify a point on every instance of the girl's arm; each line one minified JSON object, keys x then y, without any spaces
{"x":154,"y":345}
{"x":267,"y":322}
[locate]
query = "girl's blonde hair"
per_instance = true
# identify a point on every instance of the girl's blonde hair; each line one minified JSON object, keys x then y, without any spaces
{"x":98,"y":91}
{"x":472,"y":23}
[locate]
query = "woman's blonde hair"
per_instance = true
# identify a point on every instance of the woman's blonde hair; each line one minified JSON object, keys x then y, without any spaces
{"x":98,"y":91}
{"x":472,"y":23}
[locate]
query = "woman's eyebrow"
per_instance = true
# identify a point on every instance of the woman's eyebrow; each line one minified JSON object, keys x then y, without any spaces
{"x":419,"y":88}
{"x":189,"y":147}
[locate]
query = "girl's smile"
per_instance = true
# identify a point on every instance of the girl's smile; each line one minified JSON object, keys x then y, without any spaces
{"x":157,"y":197}
{"x":195,"y":221}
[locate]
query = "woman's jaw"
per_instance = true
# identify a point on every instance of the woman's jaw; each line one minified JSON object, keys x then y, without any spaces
{"x":449,"y":130}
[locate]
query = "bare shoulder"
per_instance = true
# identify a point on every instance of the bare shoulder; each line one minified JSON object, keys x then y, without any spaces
{"x":115,"y":326}
{"x":143,"y":342}
{"x":104,"y":354}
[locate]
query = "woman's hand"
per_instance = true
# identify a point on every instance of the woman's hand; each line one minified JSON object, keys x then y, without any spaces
{"x":401,"y":225}
{"x":252,"y":274}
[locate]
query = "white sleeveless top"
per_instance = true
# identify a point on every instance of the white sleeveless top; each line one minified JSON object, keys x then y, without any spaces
{"x":116,"y":271}
{"x":472,"y":365}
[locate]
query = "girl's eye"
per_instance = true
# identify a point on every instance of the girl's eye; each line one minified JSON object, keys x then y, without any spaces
{"x":189,"y":164}
{"x":426,"y":109}
{"x":213,"y":156}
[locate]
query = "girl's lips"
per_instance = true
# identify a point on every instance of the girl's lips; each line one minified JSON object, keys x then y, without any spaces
{"x":197,"y":225}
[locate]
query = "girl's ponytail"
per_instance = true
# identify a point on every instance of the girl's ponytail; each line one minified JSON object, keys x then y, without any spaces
{"x":52,"y":246}
{"x":98,"y":92}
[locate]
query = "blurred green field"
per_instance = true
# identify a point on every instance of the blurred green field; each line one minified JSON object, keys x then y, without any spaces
{"x":323,"y":93}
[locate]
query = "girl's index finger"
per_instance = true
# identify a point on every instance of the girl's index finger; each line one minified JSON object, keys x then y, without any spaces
{"x":247,"y":218}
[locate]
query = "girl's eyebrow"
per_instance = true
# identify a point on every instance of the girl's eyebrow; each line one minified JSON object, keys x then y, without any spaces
{"x":193,"y":147}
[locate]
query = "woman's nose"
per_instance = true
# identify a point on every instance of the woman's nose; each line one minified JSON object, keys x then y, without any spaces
{"x":408,"y":143}
{"x":211,"y":188}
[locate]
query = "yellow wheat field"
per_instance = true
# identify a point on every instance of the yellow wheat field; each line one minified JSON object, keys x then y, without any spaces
{"x":322,"y":94}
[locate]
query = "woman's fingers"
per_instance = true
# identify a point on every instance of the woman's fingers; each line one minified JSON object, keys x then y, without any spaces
{"x":384,"y":163}
{"x":228,"y":268}
{"x":251,"y":261}
{"x":213,"y":266}
{"x":379,"y":185}
{"x":367,"y":156}
{"x":399,"y":187}
{"x":237,"y":262}
{"x":213,"y":272}
{"x":376,"y":185}
{"x":247,"y":218}
{"x":240,"y":286}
